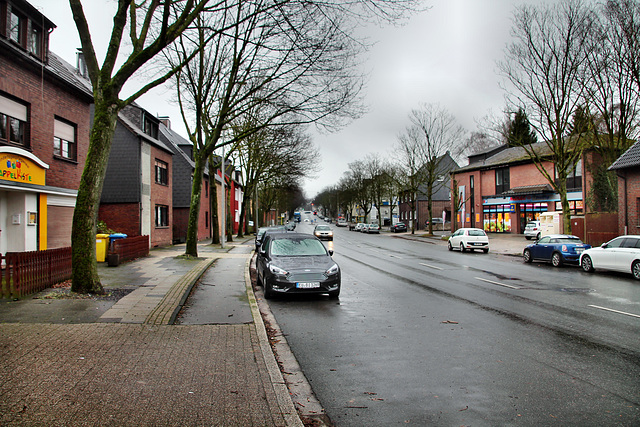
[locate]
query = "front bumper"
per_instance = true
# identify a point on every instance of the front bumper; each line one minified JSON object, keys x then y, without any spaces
{"x":285,"y":286}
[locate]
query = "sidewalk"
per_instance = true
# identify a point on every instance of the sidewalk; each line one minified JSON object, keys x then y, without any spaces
{"x":102,"y":362}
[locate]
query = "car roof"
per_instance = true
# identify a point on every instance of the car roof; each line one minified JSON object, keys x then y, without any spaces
{"x":292,"y":236}
{"x":562,"y":236}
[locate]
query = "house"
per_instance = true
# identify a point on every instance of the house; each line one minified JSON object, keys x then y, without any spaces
{"x":627,"y":167}
{"x":440,"y":199}
{"x":182,"y":171}
{"x":44,"y":133}
{"x":137,"y":197}
{"x":502,"y":189}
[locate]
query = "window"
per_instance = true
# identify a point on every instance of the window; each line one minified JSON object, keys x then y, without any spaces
{"x":64,"y":140}
{"x":162,"y":172}
{"x":17,"y":29}
{"x":206,"y":188}
{"x":574,"y":177}
{"x":502,"y":180}
{"x":35,"y":45}
{"x":162,"y":216}
{"x":150,"y":127}
{"x":13,"y":122}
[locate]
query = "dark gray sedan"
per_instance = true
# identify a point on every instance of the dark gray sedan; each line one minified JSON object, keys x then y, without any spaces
{"x":290,"y":263}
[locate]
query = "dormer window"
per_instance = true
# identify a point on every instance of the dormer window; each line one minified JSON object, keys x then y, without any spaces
{"x":150,"y":127}
{"x":35,"y":45}
{"x":17,"y":29}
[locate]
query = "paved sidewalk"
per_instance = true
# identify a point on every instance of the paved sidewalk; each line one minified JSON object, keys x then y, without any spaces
{"x":130,"y":365}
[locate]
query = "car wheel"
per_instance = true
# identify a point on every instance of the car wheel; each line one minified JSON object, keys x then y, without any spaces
{"x":258,"y":280}
{"x":587,"y":264}
{"x":527,"y":237}
{"x":526,"y":255}
{"x":268,"y":293}
{"x":486,"y":251}
{"x":449,"y":246}
{"x":462,"y":249}
{"x":635,"y":270}
{"x":556,"y":259}
{"x":334,"y":294}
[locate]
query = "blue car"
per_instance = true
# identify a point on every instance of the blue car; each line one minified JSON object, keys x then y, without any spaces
{"x":555,"y":248}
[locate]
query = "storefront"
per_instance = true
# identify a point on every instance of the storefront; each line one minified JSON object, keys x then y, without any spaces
{"x":511,"y":214}
{"x":26,"y":204}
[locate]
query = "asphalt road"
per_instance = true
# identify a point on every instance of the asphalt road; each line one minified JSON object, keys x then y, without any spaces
{"x":425,"y":336}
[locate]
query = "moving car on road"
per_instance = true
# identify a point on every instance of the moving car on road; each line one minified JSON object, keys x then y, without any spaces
{"x":469,"y":239}
{"x":341,"y":222}
{"x":323,"y":232}
{"x":555,"y":248}
{"x":620,"y":254}
{"x":296,"y":263}
{"x":399,"y":227}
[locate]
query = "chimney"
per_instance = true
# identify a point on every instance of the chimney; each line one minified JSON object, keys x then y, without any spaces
{"x":165,"y":121}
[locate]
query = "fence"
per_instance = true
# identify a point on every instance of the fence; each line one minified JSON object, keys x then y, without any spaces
{"x":131,"y":248}
{"x":29,"y":272}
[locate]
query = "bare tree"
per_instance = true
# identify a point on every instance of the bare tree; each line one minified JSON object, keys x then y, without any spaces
{"x":436,"y":134}
{"x":152,"y":27}
{"x":545,"y":65}
{"x":408,"y":158}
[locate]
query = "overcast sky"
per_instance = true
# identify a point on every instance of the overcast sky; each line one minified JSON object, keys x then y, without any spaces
{"x":446,"y":55}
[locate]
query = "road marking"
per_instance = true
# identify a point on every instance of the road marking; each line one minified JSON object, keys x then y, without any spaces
{"x":498,"y":283}
{"x":431,"y":266}
{"x":614,"y":311}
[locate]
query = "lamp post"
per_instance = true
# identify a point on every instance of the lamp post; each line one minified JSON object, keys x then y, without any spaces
{"x":224,"y":204}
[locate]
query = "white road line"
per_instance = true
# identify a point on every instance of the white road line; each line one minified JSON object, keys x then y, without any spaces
{"x":431,"y":266}
{"x":497,"y":283}
{"x":614,"y":311}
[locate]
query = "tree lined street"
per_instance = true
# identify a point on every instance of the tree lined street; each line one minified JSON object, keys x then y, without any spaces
{"x":425,"y":336}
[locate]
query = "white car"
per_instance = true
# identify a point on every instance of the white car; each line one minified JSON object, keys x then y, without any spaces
{"x":323,"y":232}
{"x":359,"y":226}
{"x":371,"y":228}
{"x":532,"y":230}
{"x":620,"y":254}
{"x":469,"y":239}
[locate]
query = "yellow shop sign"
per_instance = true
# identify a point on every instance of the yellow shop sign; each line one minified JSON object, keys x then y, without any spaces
{"x":24,"y":168}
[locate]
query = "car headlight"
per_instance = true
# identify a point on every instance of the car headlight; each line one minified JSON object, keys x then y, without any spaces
{"x":277,"y":270}
{"x":332,"y":270}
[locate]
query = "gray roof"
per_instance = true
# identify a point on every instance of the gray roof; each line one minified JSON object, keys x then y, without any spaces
{"x":529,"y":189}
{"x":508,"y":156}
{"x":139,"y":132}
{"x":630,"y":158}
{"x":69,"y":74}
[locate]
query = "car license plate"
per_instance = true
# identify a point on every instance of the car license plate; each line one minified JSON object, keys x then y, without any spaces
{"x":307,"y":285}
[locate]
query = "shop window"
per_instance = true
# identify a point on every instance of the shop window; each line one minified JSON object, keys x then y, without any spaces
{"x":162,"y":172}
{"x":502,"y":180}
{"x":497,"y":218}
{"x":13,"y":122}
{"x":64,"y":140}
{"x":162,"y":216}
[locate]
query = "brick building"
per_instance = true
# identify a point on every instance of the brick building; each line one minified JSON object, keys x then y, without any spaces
{"x":627,"y":168}
{"x":44,"y":133}
{"x":502,"y":190}
{"x":137,"y":193}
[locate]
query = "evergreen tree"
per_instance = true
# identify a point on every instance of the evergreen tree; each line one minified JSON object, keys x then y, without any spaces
{"x":581,"y":121}
{"x":519,"y":131}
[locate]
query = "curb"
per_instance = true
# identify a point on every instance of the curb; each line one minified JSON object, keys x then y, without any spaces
{"x":287,"y":408}
{"x":167,"y":310}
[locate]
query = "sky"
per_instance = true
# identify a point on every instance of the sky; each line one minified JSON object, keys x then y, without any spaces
{"x":446,"y":55}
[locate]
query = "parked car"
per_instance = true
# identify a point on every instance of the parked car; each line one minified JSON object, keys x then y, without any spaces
{"x":352,"y":226}
{"x":371,"y":229}
{"x":398,"y":227}
{"x":341,"y":223}
{"x":323,"y":232}
{"x":556,"y":249}
{"x":469,"y":239}
{"x":262,"y":230}
{"x":620,"y":254}
{"x":532,"y":230}
{"x":296,"y":263}
{"x":359,"y":226}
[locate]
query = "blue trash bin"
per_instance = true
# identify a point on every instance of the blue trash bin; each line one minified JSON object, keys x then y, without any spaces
{"x":113,"y":237}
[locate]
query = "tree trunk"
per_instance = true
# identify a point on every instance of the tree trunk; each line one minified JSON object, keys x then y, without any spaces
{"x":215,"y":224}
{"x":228,"y":219}
{"x":194,"y":208}
{"x":85,"y":277}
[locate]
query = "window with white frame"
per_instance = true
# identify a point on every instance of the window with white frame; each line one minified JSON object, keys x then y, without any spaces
{"x":162,"y":216}
{"x":13,"y":122}
{"x":64,"y":140}
{"x":162,"y":172}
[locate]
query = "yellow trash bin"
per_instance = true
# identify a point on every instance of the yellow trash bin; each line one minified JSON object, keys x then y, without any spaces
{"x":102,"y":243}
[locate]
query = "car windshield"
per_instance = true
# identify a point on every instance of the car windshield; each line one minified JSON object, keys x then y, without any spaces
{"x":569,"y":240}
{"x":297,"y":247}
{"x":323,"y":227}
{"x":476,"y":233}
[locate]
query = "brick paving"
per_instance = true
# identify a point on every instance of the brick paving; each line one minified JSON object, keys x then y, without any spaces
{"x":128,"y":374}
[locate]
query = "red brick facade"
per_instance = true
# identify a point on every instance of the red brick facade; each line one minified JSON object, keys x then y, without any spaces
{"x":121,"y":217}
{"x":629,"y":201}
{"x":161,"y":194}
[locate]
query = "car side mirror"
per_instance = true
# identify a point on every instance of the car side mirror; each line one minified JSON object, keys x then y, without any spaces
{"x":330,"y":252}
{"x":603,"y":246}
